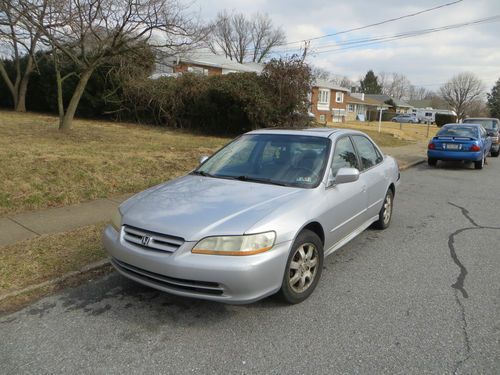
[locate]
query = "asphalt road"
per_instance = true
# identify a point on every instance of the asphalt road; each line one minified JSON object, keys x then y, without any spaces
{"x":420,"y":297}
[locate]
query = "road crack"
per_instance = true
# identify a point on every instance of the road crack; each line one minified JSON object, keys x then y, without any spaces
{"x":459,"y":284}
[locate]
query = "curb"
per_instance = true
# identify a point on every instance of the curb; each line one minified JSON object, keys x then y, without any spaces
{"x":412,"y":164}
{"x":81,"y":271}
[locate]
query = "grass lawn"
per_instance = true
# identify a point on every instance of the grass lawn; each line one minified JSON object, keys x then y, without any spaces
{"x":41,"y":167}
{"x":405,"y":132}
{"x":47,"y":257}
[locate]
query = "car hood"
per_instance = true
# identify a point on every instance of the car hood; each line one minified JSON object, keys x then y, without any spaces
{"x":193,"y":207}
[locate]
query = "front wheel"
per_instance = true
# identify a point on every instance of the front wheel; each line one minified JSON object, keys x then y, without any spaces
{"x":385,"y":214}
{"x":495,"y":154}
{"x":303,"y":267}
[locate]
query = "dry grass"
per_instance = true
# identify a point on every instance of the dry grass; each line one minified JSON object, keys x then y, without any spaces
{"x":41,"y":167}
{"x":47,"y":257}
{"x":405,"y":132}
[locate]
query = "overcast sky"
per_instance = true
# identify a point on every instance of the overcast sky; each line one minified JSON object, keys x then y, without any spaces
{"x":427,"y":60}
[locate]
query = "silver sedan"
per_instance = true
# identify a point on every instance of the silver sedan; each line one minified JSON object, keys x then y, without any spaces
{"x":257,"y":217}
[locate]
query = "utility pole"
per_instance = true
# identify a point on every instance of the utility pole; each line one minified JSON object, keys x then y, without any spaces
{"x":307,"y":43}
{"x":380,"y":119}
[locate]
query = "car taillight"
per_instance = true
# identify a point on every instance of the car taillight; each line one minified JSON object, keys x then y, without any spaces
{"x":475,"y":148}
{"x":431,"y":146}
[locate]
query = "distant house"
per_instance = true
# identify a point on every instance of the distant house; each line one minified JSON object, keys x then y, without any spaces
{"x":201,"y":61}
{"x":400,"y":106}
{"x":327,"y":101}
{"x":361,"y":107}
{"x":425,"y":110}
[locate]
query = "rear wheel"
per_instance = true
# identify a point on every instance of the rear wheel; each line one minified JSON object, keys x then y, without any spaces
{"x":479,"y":164}
{"x":495,"y":154}
{"x":385,"y":214}
{"x":432,"y":162}
{"x":303,"y":267}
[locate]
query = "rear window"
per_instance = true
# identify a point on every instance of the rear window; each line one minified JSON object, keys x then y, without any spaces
{"x":458,"y":131}
{"x":488,"y":124}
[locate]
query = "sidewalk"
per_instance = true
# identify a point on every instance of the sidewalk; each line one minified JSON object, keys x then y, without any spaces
{"x":18,"y":227}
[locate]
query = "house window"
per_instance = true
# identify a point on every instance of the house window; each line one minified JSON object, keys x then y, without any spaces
{"x":339,"y":97}
{"x":324,"y":97}
{"x":197,"y":70}
{"x":322,"y":118}
{"x":350,"y":108}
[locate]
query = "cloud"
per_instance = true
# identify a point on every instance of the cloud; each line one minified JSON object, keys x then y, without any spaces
{"x":429,"y":59}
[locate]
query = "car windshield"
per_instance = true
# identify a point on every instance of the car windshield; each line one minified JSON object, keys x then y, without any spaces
{"x":488,"y":124}
{"x":290,"y":160}
{"x":458,"y":131}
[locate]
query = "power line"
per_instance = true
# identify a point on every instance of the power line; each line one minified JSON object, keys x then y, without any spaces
{"x":346,"y":45}
{"x":377,"y":23}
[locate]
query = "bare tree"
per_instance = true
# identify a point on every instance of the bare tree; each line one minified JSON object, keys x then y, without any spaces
{"x":342,"y":81}
{"x":90,"y":32}
{"x":245,"y":39}
{"x":461,"y":91}
{"x":20,"y":41}
{"x":395,"y":85}
{"x":418,"y":93}
{"x":320,"y":73}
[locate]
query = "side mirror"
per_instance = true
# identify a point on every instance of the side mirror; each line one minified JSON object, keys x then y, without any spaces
{"x":344,"y":176}
{"x":203,"y":159}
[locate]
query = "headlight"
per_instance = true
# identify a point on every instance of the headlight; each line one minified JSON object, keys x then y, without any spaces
{"x":116,"y":220}
{"x":236,"y":245}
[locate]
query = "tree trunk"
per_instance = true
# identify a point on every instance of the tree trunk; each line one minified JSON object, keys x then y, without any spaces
{"x":23,"y":86}
{"x":8,"y":82}
{"x":75,"y":99}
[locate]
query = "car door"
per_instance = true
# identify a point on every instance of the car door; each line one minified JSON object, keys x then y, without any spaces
{"x":372,"y":173}
{"x":345,"y":204}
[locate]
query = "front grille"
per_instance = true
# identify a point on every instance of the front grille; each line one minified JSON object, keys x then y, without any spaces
{"x":151,"y":240}
{"x":194,"y":286}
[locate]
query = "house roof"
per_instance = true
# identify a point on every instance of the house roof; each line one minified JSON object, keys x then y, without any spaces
{"x":433,"y":103}
{"x":350,"y":99}
{"x":323,"y":83}
{"x":384,"y":98}
{"x":205,"y":57}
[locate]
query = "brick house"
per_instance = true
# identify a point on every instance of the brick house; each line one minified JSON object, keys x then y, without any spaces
{"x":360,"y":107}
{"x":327,"y":101}
{"x":201,"y":61}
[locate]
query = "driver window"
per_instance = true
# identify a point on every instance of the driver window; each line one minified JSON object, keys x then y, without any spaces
{"x":344,"y":156}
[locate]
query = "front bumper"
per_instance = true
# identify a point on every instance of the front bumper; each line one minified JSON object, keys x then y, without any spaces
{"x":455,"y":155}
{"x":229,"y":279}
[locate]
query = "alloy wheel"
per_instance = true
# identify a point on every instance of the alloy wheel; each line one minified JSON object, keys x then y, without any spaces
{"x":387,"y":209}
{"x":303,"y":267}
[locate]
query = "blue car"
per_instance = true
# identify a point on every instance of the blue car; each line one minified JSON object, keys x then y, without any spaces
{"x":465,"y":142}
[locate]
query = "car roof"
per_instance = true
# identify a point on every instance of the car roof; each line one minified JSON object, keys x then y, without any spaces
{"x":481,"y":118}
{"x":311,"y":132}
{"x":462,"y":124}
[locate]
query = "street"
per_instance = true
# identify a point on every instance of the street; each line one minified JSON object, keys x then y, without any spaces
{"x":420,"y":297}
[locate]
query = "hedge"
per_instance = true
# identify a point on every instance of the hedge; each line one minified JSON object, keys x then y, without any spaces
{"x":443,"y":119}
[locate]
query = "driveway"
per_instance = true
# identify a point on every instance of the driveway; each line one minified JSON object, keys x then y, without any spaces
{"x":420,"y":297}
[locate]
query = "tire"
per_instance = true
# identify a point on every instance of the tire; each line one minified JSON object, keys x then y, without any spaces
{"x":299,"y":269}
{"x":495,"y":154}
{"x":479,"y":164}
{"x":432,"y":162}
{"x":385,"y":214}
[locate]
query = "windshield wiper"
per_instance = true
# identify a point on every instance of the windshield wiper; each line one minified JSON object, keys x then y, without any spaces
{"x":261,"y":180}
{"x":201,"y":173}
